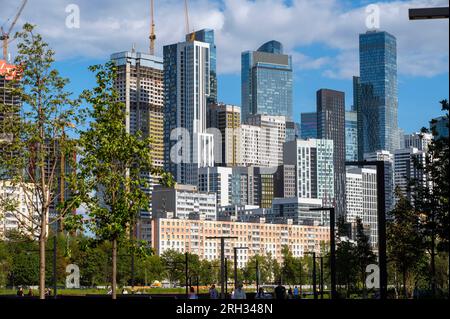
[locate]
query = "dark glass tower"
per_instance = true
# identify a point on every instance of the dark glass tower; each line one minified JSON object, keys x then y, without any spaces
{"x":378,"y":93}
{"x":267,"y":82}
{"x":331,"y":126}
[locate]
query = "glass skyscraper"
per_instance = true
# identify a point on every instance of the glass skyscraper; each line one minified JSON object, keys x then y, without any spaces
{"x":378,"y":93}
{"x":207,"y":36}
{"x":308,"y":125}
{"x":267,"y":82}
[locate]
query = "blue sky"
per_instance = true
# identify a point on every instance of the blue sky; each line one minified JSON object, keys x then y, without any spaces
{"x":322,"y":36}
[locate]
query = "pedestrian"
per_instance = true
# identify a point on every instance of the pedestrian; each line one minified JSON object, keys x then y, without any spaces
{"x":280,"y":291}
{"x":213,"y":293}
{"x":296,"y":292}
{"x":124,"y":291}
{"x":239,"y":293}
{"x":30,"y":293}
{"x":20,"y":292}
{"x":260,"y":294}
{"x":192,"y":294}
{"x":290,"y":294}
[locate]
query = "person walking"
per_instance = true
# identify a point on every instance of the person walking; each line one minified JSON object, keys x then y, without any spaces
{"x":30,"y":293}
{"x":280,"y":292}
{"x":290,"y":294}
{"x":20,"y":292}
{"x":296,"y":292}
{"x":192,"y":294}
{"x":260,"y":294}
{"x":213,"y":293}
{"x":239,"y":293}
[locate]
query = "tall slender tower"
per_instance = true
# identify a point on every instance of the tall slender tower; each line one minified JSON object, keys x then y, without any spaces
{"x":378,"y":93}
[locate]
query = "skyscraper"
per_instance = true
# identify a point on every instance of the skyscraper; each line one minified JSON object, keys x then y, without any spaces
{"x":308,"y":125}
{"x":9,"y":103}
{"x":331,"y":126}
{"x":207,"y":36}
{"x":267,"y":82}
{"x":440,"y":125}
{"x":378,"y":93}
{"x":351,"y":136}
{"x":187,"y":145}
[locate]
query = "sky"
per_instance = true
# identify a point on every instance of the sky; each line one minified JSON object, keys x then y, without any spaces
{"x":321,"y":36}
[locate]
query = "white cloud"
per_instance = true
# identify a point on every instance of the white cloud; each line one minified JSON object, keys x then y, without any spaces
{"x":108,"y":26}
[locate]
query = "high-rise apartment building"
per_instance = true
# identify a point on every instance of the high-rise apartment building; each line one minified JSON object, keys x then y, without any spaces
{"x":187,"y":145}
{"x":207,"y":36}
{"x":184,"y":202}
{"x":227,"y":119}
{"x":421,"y":141}
{"x":9,"y":103}
{"x":331,"y":126}
{"x":285,"y":182}
{"x":388,"y":159}
{"x":267,"y":85}
{"x":261,"y":141}
{"x":378,"y":93}
{"x":407,"y":169}
{"x":308,"y":125}
{"x":313,"y":160}
{"x":217,"y":180}
{"x":362,"y":199}
{"x":351,"y":136}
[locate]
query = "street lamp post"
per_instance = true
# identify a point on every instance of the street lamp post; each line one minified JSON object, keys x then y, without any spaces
{"x":222,"y":261}
{"x":321,"y":277}
{"x":332,"y":246}
{"x":235,"y":250}
{"x":314,"y":274}
{"x":381,"y":220}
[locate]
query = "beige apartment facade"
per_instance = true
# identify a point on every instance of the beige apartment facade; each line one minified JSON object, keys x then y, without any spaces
{"x":187,"y":235}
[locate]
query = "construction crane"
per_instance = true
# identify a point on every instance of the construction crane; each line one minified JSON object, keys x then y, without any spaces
{"x":186,"y":17}
{"x":4,"y":36}
{"x":152,"y":28}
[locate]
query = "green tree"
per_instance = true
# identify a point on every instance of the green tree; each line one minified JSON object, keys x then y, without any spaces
{"x":431,"y":196}
{"x":37,"y":131}
{"x":364,"y":253}
{"x":405,"y":246}
{"x":290,"y":268}
{"x":174,"y":264}
{"x":346,"y":261}
{"x":109,"y":180}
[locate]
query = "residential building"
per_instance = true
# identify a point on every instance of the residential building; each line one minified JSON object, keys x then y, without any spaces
{"x":313,"y":160}
{"x":267,"y":84}
{"x":188,"y":146}
{"x":217,"y":180}
{"x":183,"y":235}
{"x":388,"y":159}
{"x":407,"y":169}
{"x":292,"y":131}
{"x":308,"y":125}
{"x":227,"y":119}
{"x":285,"y":182}
{"x":378,"y":100}
{"x":362,"y":200}
{"x":9,"y":112}
{"x":184,"y":202}
{"x":298,"y":210}
{"x":18,"y":206}
{"x":331,"y":126}
{"x":351,"y":136}
{"x":418,"y":140}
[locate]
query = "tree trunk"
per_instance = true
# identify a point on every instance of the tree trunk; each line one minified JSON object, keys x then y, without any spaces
{"x":114,"y":269}
{"x":42,"y":246}
{"x":405,"y":294}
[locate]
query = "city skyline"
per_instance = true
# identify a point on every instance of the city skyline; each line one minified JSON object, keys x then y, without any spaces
{"x":318,"y":56}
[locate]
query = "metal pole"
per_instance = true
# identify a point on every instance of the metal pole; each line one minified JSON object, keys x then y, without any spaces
{"x":186,"y":260}
{"x":382,"y":229}
{"x":333,"y":252}
{"x":54,"y":268}
{"x":301,"y":285}
{"x":222,"y":267}
{"x":132,"y":272}
{"x":321,"y":277}
{"x":314,"y":276}
{"x":235,"y":267}
{"x":226,"y":277}
{"x":257,"y":275}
